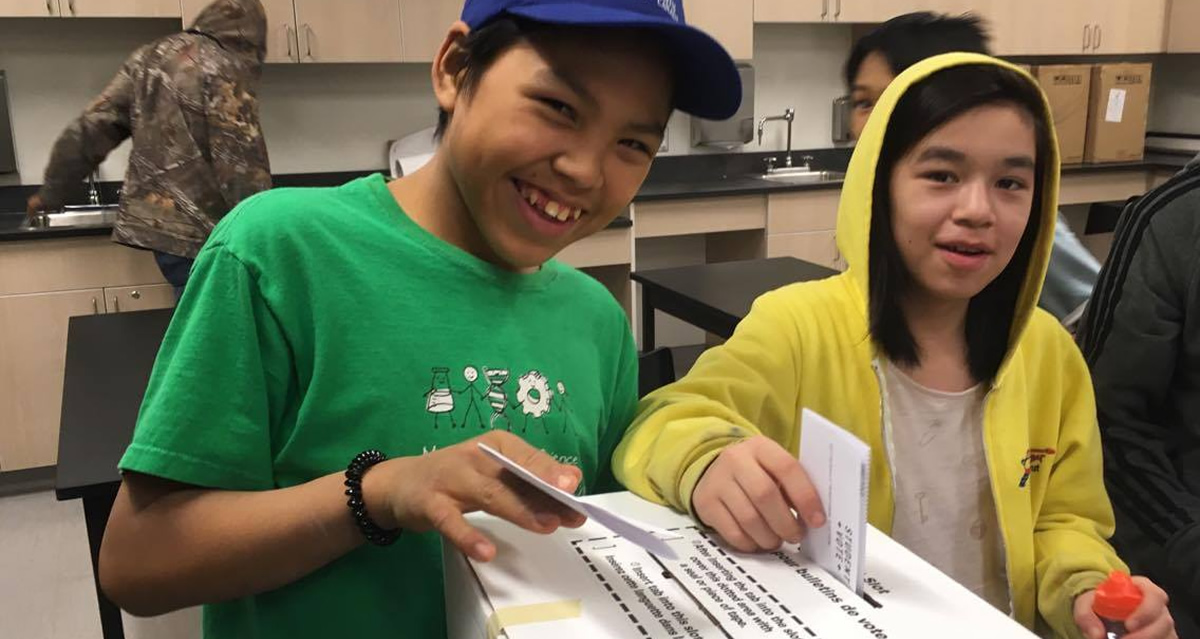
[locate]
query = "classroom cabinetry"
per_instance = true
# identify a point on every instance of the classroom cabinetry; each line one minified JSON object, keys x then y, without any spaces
{"x":1074,"y":27}
{"x":32,"y":355}
{"x":89,"y":8}
{"x":424,"y":24}
{"x":731,"y":23}
{"x":846,"y":11}
{"x":1183,"y":36}
{"x":45,"y":283}
{"x":314,"y":31}
{"x":802,"y":224}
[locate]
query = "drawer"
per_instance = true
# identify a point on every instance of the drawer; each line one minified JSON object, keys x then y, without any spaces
{"x":803,"y":211}
{"x":706,"y":215}
{"x":39,"y":266}
{"x":608,"y":247}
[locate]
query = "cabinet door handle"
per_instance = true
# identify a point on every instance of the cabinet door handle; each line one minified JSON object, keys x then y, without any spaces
{"x":308,"y":38}
{"x":287,"y":35}
{"x":50,"y":7}
{"x":838,"y":12}
{"x":72,"y":5}
{"x":95,"y":306}
{"x":137,"y":295}
{"x":1099,"y":37}
{"x":824,"y":9}
{"x":116,"y":304}
{"x":1087,"y":37}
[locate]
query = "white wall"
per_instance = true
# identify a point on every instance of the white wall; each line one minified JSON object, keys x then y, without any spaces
{"x":54,"y":67}
{"x":316,"y":117}
{"x":339,"y":117}
{"x":797,"y":66}
{"x":1175,"y":105}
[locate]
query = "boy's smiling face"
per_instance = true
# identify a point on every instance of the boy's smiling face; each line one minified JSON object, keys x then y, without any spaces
{"x":555,"y":139}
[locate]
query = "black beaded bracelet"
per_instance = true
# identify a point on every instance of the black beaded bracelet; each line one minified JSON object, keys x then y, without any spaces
{"x":358,"y":509}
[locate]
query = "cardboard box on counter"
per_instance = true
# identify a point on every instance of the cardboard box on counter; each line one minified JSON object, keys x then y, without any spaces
{"x":1067,"y":87}
{"x":591,"y":583}
{"x":1117,"y":118}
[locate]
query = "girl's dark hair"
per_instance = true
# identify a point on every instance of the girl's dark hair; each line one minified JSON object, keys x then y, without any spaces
{"x":481,"y":48}
{"x":927,"y":105}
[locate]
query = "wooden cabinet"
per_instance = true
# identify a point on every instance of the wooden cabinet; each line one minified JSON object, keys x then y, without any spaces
{"x":43,"y":283}
{"x":1182,"y":19}
{"x":311,"y":31}
{"x":282,"y":39}
{"x":423,"y":26}
{"x":120,"y":8}
{"x":33,"y":349}
{"x":769,"y":11}
{"x":848,"y":11}
{"x":1026,"y":27}
{"x":1131,"y":26}
{"x":872,"y":11}
{"x":819,"y":248}
{"x":801,"y":224}
{"x":125,"y":299}
{"x":28,"y":8}
{"x":89,"y":8}
{"x":730,"y":22}
{"x":348,"y":31}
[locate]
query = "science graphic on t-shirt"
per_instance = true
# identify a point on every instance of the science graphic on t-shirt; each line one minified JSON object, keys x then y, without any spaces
{"x":491,"y":398}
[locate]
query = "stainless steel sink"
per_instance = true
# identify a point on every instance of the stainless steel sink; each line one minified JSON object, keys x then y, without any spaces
{"x":77,"y":216}
{"x":802,"y":176}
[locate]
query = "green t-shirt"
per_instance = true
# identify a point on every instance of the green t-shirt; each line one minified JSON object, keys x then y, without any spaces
{"x":322,"y":322}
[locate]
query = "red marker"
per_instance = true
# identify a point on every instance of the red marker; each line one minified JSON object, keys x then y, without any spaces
{"x":1116,"y":600}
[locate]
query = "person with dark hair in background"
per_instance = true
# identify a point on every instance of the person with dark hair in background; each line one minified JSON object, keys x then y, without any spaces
{"x":977,"y":406}
{"x":1141,"y":338}
{"x":189,"y":103}
{"x":901,"y":42}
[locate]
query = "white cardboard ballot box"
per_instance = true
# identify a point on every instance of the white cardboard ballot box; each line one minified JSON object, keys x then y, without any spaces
{"x":590,"y":583}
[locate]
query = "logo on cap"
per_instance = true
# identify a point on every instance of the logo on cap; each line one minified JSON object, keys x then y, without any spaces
{"x":670,"y":7}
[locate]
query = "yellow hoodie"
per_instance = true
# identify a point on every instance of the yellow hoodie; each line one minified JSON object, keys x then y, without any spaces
{"x":808,"y":345}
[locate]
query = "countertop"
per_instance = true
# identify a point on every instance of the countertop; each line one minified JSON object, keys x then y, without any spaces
{"x":672,"y":177}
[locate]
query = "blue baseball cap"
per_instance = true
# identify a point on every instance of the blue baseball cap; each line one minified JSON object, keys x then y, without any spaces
{"x":707,"y":83}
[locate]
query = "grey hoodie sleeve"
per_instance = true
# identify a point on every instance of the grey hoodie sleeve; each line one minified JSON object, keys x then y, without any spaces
{"x":1071,"y":276}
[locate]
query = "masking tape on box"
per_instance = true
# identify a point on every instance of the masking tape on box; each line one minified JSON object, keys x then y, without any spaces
{"x":505,"y":618}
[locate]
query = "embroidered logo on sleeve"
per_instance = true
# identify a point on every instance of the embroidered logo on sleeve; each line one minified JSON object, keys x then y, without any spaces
{"x":1032,"y":462}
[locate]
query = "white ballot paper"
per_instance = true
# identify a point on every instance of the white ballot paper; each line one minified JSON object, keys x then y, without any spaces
{"x":839,"y":465}
{"x":647,"y":537}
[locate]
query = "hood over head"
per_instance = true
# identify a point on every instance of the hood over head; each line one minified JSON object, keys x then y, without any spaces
{"x":856,"y":206}
{"x":238,"y":25}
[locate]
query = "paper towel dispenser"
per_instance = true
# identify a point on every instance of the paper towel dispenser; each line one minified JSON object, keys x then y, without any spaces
{"x":737,"y":130}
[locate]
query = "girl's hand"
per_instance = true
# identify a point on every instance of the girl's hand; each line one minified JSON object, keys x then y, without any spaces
{"x":756,"y":495}
{"x":1151,"y":620}
{"x":434,"y":491}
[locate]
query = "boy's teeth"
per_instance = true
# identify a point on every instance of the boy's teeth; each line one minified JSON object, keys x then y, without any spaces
{"x":549,"y":208}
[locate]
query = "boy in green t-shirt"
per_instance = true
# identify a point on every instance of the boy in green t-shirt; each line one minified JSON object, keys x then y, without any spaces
{"x":416,"y":318}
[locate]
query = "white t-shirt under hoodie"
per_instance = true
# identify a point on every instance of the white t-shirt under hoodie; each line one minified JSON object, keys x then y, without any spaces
{"x":945,"y":512}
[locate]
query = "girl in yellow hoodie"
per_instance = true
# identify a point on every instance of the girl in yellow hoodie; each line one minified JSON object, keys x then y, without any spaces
{"x":976,"y":404}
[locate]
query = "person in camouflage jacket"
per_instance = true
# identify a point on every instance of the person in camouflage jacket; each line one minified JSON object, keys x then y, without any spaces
{"x":188,"y":101}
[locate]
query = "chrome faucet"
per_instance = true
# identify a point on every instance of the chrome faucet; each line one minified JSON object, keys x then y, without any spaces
{"x":93,"y":191}
{"x":788,"y":116}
